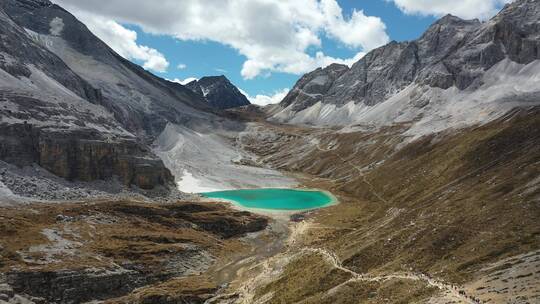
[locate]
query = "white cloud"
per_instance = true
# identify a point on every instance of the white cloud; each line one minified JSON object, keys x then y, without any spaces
{"x":467,"y":9}
{"x":273,"y":35}
{"x":183,"y":81}
{"x":181,"y":66}
{"x":362,"y":31}
{"x":263,"y":100}
{"x":124,"y":41}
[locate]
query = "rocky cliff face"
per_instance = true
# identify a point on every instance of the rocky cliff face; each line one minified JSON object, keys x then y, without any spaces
{"x":218,"y":92}
{"x":83,"y":155}
{"x":452,"y":53}
{"x":75,"y":107}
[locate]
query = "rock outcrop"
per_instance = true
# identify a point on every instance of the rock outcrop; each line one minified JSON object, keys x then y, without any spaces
{"x":312,"y":87}
{"x":74,"y":286}
{"x":218,"y":92}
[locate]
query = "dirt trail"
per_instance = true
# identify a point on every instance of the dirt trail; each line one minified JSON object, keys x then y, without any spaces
{"x":334,"y":260}
{"x":271,"y":267}
{"x":268,"y":264}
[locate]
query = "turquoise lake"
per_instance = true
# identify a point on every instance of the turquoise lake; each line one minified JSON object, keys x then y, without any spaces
{"x":275,"y":199}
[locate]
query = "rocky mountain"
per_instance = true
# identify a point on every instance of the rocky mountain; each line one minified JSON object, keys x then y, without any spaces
{"x":76,"y":108}
{"x":311,"y":88}
{"x":407,"y":81}
{"x":140,"y":101}
{"x":429,"y":217}
{"x":218,"y":92}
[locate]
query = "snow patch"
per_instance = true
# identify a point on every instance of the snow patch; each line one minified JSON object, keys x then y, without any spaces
{"x":190,"y":184}
{"x":56,"y":26}
{"x":205,"y":91}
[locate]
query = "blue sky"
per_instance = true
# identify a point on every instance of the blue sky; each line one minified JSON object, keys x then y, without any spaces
{"x":203,"y":58}
{"x":262,"y":46}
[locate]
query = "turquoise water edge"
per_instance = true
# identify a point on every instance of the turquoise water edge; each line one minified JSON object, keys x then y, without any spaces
{"x":275,"y":198}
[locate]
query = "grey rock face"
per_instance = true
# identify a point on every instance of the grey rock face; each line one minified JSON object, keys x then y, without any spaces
{"x":140,"y":101}
{"x":17,"y":51}
{"x":72,"y":105}
{"x":75,"y":287}
{"x":83,"y":155}
{"x":452,"y":52}
{"x":311,"y":88}
{"x":219,"y":92}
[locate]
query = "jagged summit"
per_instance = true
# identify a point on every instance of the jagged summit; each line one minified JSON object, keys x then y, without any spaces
{"x":527,"y":10}
{"x":452,"y":19}
{"x":452,"y":53}
{"x":310,"y":88}
{"x":215,"y":78}
{"x":449,"y":25}
{"x":219,"y":92}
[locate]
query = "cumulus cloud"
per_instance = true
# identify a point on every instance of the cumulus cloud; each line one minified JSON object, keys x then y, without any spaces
{"x":183,"y":81}
{"x":273,"y":35}
{"x":124,"y":41}
{"x":360,"y":31}
{"x":467,"y":9}
{"x":263,"y":100}
{"x":181,"y":66}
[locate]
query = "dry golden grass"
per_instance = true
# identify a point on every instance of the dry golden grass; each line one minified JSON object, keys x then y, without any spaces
{"x":195,"y":289}
{"x":445,"y":205}
{"x":155,"y":240}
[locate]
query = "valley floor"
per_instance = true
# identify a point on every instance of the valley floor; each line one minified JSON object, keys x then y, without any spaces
{"x":448,"y":218}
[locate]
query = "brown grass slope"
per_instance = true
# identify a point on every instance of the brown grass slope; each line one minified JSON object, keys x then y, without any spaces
{"x":77,"y":252}
{"x":446,"y":205}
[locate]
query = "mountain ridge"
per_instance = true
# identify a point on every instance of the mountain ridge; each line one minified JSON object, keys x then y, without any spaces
{"x":78,"y":109}
{"x":123,"y":79}
{"x":437,"y":187}
{"x":452,"y":53}
{"x":218,"y":92}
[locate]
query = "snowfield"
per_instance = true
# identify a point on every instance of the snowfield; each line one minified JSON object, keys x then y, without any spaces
{"x":204,"y":160}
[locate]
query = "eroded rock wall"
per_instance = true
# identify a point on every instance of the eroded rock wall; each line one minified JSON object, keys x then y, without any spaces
{"x":82,"y":155}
